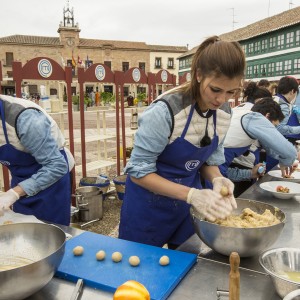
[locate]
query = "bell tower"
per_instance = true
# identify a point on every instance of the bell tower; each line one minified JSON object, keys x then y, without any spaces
{"x":68,"y":30}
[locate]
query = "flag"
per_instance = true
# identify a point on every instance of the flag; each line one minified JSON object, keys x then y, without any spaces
{"x":87,"y":62}
{"x":73,"y":61}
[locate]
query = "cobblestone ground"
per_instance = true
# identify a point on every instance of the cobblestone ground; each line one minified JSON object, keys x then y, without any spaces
{"x":108,"y":225}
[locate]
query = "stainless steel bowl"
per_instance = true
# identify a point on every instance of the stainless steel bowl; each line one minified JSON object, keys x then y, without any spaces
{"x":37,"y":245}
{"x":246,"y":241}
{"x":276,"y":262}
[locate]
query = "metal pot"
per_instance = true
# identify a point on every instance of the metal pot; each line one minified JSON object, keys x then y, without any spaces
{"x":245,"y":241}
{"x":89,"y":201}
{"x":37,"y":249}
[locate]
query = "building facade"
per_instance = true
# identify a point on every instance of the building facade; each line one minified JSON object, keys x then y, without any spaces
{"x":72,"y":50}
{"x":272,"y":47}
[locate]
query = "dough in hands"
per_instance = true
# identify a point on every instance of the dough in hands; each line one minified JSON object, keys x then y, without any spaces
{"x":224,"y":191}
{"x":116,"y":257}
{"x":164,"y":260}
{"x":134,"y":261}
{"x":78,"y":250}
{"x":100,"y":255}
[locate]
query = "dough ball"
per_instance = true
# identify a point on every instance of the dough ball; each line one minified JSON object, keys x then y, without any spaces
{"x":7,"y":222}
{"x":78,"y":250}
{"x":116,"y":257}
{"x":224,"y":191}
{"x":100,"y":255}
{"x":164,"y":260}
{"x":134,"y":261}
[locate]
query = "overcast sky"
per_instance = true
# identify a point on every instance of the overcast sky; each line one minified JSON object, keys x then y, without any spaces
{"x":156,"y":22}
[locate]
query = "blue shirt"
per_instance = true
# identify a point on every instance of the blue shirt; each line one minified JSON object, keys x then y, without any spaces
{"x":34,"y":130}
{"x":151,"y":139}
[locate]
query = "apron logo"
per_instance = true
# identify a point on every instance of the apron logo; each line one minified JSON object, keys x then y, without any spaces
{"x":192,"y":164}
{"x":4,"y":163}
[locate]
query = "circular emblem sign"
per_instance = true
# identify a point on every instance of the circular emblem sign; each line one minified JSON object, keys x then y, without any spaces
{"x":136,"y":74}
{"x":45,"y":68}
{"x":188,"y":77}
{"x":100,"y":72}
{"x":164,"y":76}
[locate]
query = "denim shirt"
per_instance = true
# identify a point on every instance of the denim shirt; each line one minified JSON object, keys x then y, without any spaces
{"x":35,"y":136}
{"x":154,"y":129}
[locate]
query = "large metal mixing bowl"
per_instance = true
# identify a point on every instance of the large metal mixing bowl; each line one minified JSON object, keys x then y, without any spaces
{"x":278,"y":263}
{"x":37,"y":245}
{"x":245,"y":241}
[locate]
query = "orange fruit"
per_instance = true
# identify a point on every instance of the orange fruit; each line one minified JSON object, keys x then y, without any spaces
{"x":131,"y":290}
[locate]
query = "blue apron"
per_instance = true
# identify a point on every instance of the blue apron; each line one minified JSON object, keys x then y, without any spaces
{"x":52,"y":204}
{"x":270,"y":161}
{"x":155,"y":219}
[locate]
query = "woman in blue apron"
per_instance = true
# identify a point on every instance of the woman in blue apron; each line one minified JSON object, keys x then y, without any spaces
{"x":256,"y":124}
{"x":286,"y":94}
{"x":180,"y":137}
{"x":40,"y":183}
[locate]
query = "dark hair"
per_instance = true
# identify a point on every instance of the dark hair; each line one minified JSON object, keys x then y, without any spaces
{"x":254,"y":92}
{"x":264,"y":83}
{"x":215,"y":57}
{"x":268,"y":106}
{"x":287,"y":84}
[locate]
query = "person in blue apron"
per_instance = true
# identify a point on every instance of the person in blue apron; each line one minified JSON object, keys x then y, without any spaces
{"x":286,"y":94}
{"x":32,"y":148}
{"x":246,"y":168}
{"x":256,"y":124}
{"x":180,"y":137}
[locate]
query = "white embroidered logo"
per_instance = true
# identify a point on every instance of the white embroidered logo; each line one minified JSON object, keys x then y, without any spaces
{"x":192,"y":164}
{"x":4,"y":163}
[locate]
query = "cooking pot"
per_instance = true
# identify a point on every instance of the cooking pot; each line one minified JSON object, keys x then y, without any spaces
{"x":35,"y":250}
{"x":245,"y":241}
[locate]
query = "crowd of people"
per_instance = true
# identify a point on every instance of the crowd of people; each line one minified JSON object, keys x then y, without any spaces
{"x":190,"y":146}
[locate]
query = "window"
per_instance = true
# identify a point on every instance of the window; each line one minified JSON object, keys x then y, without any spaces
{"x":288,"y":66}
{"x":157,"y":62}
{"x":249,"y":71}
{"x":256,"y":47}
{"x":280,"y":41}
{"x":250,"y":48}
{"x":142,"y":66}
{"x":107,"y":63}
{"x":271,"y":69}
{"x":263,"y":69}
{"x":170,"y":63}
{"x":244,"y":47}
{"x":290,"y":39}
{"x":297,"y":64}
{"x":272,"y":43}
{"x":278,"y":67}
{"x":125,"y":66}
{"x":264,"y":45}
{"x":255,"y":70}
{"x":297,"y":39}
{"x":9,"y":58}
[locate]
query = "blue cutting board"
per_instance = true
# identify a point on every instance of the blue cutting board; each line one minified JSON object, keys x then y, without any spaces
{"x":108,"y":275}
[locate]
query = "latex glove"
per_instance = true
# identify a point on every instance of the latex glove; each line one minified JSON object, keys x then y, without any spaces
{"x":218,"y":185}
{"x":7,"y":199}
{"x":208,"y":204}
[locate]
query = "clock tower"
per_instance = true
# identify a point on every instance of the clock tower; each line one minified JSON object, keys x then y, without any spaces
{"x":68,"y":30}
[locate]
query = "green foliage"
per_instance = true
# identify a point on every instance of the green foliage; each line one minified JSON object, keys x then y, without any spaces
{"x":87,"y":100}
{"x":107,"y":97}
{"x":141,"y":96}
{"x":75,"y":99}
